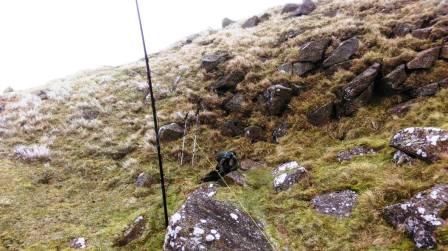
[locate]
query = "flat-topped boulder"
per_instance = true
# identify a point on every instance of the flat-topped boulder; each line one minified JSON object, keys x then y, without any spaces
{"x":204,"y":223}
{"x":171,"y":132}
{"x":424,"y":59}
{"x":426,"y":143}
{"x":343,"y":52}
{"x":288,"y":174}
{"x":420,"y":216}
{"x":338,"y":204}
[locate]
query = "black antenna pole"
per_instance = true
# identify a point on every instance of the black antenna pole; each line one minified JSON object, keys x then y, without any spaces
{"x":154,"y":115}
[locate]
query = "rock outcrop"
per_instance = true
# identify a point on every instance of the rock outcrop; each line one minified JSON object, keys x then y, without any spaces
{"x":288,"y":174}
{"x":171,"y":132}
{"x":427,"y":143}
{"x":204,"y":223}
{"x":343,"y":52}
{"x":393,"y":83}
{"x":336,"y":203}
{"x":420,"y":215}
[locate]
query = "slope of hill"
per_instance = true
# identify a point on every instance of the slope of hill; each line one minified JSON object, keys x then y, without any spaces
{"x":77,"y":159}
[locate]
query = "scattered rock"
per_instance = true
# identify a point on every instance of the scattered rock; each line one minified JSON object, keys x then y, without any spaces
{"x":144,"y":180}
{"x":357,"y":151}
{"x":322,"y":115}
{"x":204,"y":223}
{"x":265,"y":17}
{"x":89,"y":112}
{"x":279,"y":132}
{"x":232,"y":128}
{"x":8,"y":90}
{"x":285,"y":36}
{"x":401,"y":158}
{"x":425,"y":91}
{"x":336,"y":203}
{"x":358,"y":92}
{"x":392,"y":83}
{"x":288,"y":174}
{"x":133,"y":232}
{"x":420,"y":215}
{"x":120,"y":151}
{"x":229,"y":82}
{"x":402,"y":29}
{"x":78,"y":243}
{"x":305,"y":8}
{"x":254,"y":133}
{"x":290,"y":7}
{"x":403,"y":108}
{"x":428,"y":143}
{"x":444,"y":52}
{"x":277,"y":98}
{"x":211,"y":61}
{"x":422,"y":33}
{"x":234,"y":104}
{"x":249,"y":164}
{"x":424,"y":59}
{"x":343,"y":52}
{"x":42,"y":95}
{"x":191,"y":38}
{"x":226,"y":22}
{"x":301,"y":69}
{"x":235,"y":178}
{"x":251,"y":22}
{"x":313,"y":51}
{"x":171,"y":132}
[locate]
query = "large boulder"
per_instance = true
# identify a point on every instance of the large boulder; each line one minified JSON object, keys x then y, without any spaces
{"x":321,"y":115}
{"x":171,"y":132}
{"x":428,"y":143}
{"x":393,"y":83}
{"x":276,"y":99}
{"x":251,"y":22}
{"x":305,"y":8}
{"x":420,"y":215}
{"x":226,"y":22}
{"x":357,"y":151}
{"x":343,"y":52}
{"x":338,"y":204}
{"x":313,"y":51}
{"x":204,"y":223}
{"x":424,"y":59}
{"x":228,"y":82}
{"x":288,"y":174}
{"x":211,"y":61}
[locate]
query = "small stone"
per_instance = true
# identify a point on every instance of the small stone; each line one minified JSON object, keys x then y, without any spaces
{"x":392,"y":83}
{"x":89,"y":112}
{"x":251,"y":22}
{"x":211,"y":61}
{"x":402,"y":29}
{"x":336,"y":203}
{"x":290,"y":7}
{"x":229,"y":82}
{"x":279,"y":132}
{"x":236,"y":178}
{"x":301,"y":69}
{"x":403,"y":108}
{"x":357,"y":151}
{"x":288,"y":174}
{"x":144,"y":180}
{"x":285,"y":68}
{"x":235,"y":104}
{"x":444,"y":52}
{"x":305,"y":8}
{"x":276,"y":99}
{"x":232,"y":128}
{"x":8,"y":90}
{"x":425,"y":91}
{"x":322,"y":115}
{"x":422,"y":33}
{"x":343,"y":52}
{"x":133,"y":231}
{"x":249,"y":164}
{"x":424,"y":59}
{"x":401,"y":158}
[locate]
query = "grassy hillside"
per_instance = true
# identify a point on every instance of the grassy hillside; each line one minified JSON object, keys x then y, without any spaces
{"x":92,"y":136}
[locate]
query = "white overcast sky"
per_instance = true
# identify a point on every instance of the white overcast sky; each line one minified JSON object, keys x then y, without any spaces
{"x":41,"y":40}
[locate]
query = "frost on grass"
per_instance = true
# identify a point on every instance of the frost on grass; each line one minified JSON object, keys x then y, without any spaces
{"x":32,"y":152}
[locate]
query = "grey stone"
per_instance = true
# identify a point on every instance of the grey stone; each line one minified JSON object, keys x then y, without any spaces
{"x":144,"y":180}
{"x":279,"y":132}
{"x":290,"y":7}
{"x":226,"y":22}
{"x":338,"y":204}
{"x":132,"y":232}
{"x":235,"y":178}
{"x":254,"y":133}
{"x":276,"y":99}
{"x":301,"y":69}
{"x":211,"y":61}
{"x":251,"y":22}
{"x":313,"y":51}
{"x":232,"y":128}
{"x":357,"y":151}
{"x":235,"y":104}
{"x":420,"y":216}
{"x":393,"y":83}
{"x":288,"y":174}
{"x":402,"y":29}
{"x":171,"y":132}
{"x":424,"y":59}
{"x":322,"y":115}
{"x":425,"y":91}
{"x":422,"y":33}
{"x":427,"y":143}
{"x":229,"y":82}
{"x":343,"y":52}
{"x":305,"y":8}
{"x":78,"y":243}
{"x":401,"y":158}
{"x":204,"y":223}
